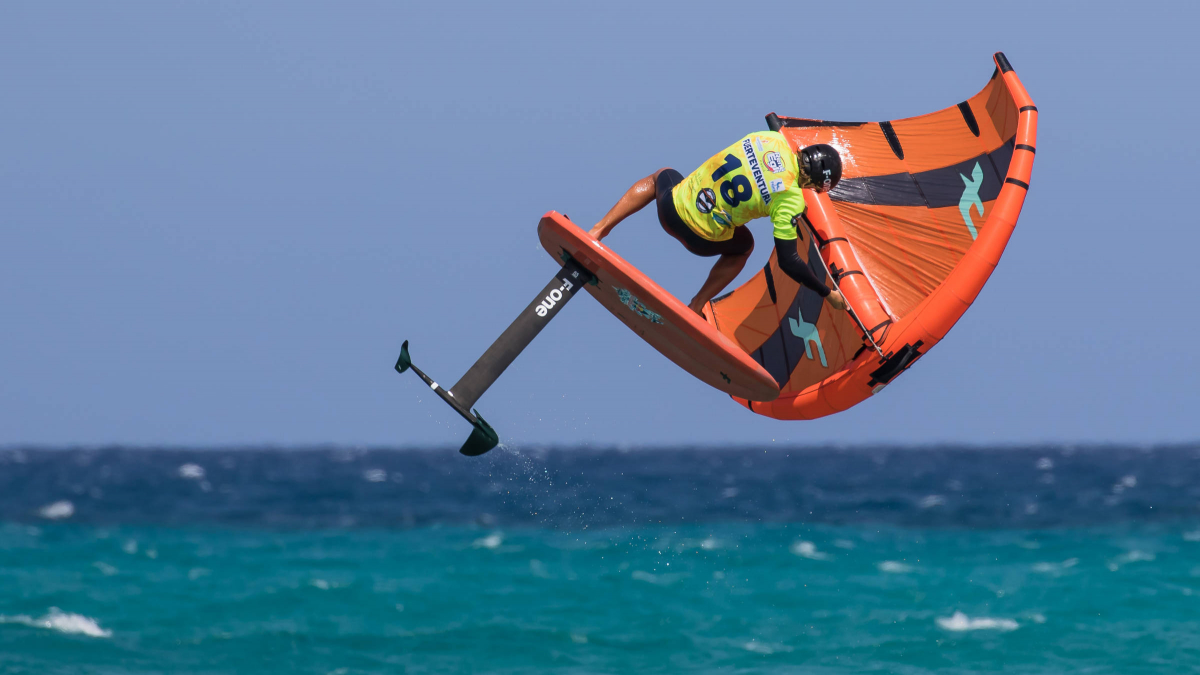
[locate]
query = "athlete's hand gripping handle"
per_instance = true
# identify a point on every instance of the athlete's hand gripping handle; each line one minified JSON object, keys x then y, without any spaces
{"x":836,"y":300}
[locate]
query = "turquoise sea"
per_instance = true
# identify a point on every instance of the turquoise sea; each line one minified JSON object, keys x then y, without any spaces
{"x":704,"y":561}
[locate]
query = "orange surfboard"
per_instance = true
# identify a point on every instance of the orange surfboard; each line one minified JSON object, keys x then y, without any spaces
{"x":656,"y":316}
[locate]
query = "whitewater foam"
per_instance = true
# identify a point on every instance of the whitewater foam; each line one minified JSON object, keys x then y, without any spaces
{"x":492,"y":541}
{"x":807,"y":549}
{"x":931,"y":501}
{"x":191,"y":471}
{"x":656,"y":579}
{"x":1129,"y":557}
{"x":961,"y":622}
{"x":1055,"y":568}
{"x":64,"y":622}
{"x":57,"y":511}
{"x":764,"y":648}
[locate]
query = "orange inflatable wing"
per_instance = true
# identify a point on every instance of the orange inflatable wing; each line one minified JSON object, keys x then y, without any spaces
{"x":922,"y":214}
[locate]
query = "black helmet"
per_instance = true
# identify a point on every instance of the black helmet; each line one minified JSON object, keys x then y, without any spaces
{"x":823,"y":166}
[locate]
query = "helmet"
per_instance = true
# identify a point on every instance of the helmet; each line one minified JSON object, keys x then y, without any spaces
{"x":823,"y":166}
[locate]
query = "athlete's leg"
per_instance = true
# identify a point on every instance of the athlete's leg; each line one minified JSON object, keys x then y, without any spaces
{"x":726,"y":269}
{"x":635,"y":199}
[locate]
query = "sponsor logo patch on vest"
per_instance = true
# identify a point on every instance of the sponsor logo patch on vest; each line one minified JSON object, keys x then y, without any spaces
{"x":777,"y":185}
{"x":774,"y":162}
{"x":706,"y":200}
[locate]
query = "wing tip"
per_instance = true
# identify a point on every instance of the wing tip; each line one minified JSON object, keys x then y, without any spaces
{"x":1002,"y":62}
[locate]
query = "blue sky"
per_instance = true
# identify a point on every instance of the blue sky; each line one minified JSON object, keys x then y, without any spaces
{"x":220,"y":220}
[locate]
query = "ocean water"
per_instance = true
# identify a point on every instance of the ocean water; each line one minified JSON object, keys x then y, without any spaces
{"x":875,"y":560}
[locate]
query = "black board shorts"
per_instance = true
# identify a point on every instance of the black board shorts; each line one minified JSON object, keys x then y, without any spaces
{"x":741,"y":243}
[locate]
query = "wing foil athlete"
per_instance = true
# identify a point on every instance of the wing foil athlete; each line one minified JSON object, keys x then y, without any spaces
{"x":759,"y":176}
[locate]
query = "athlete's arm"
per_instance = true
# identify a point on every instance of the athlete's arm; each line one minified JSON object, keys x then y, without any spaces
{"x":797,"y":269}
{"x":786,"y":210}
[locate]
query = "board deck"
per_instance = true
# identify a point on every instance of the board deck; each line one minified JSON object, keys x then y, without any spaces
{"x":656,"y":316}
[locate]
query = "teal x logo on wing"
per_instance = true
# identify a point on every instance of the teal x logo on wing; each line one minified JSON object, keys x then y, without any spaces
{"x":808,"y":333}
{"x":970,"y":197}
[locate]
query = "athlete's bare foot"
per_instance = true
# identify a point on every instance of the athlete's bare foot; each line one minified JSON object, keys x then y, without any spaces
{"x":635,"y":199}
